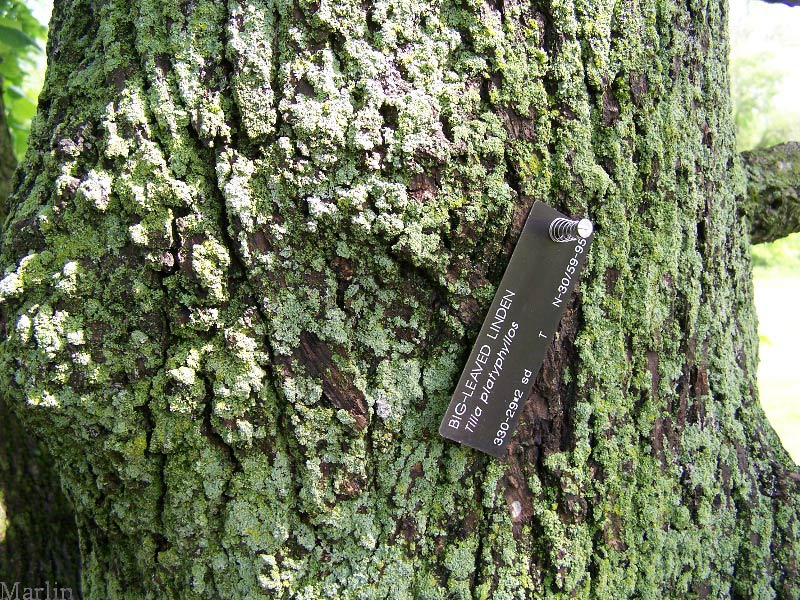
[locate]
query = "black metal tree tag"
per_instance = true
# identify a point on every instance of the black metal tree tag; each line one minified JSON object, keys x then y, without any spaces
{"x":524,"y":315}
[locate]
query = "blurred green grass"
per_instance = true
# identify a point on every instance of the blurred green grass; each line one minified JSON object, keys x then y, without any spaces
{"x":776,"y":279}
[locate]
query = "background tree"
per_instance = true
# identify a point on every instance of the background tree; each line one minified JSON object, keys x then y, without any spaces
{"x":752,"y":99}
{"x":21,"y":39}
{"x":253,"y":243}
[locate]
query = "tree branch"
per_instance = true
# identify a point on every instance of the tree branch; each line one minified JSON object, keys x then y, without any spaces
{"x":773,"y":191}
{"x":786,"y":2}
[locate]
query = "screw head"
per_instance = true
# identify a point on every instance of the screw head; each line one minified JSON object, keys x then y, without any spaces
{"x":585,"y":228}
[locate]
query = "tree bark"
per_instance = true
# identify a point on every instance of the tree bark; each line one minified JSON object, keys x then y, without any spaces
{"x":254,"y":244}
{"x":38,"y":538}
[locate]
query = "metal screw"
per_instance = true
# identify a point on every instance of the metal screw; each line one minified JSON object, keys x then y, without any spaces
{"x":567,"y":230}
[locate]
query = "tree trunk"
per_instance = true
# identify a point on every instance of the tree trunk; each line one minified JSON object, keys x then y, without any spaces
{"x":248,"y":257}
{"x":38,"y":539}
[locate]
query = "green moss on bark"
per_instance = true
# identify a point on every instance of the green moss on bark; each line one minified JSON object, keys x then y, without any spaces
{"x":38,"y":538}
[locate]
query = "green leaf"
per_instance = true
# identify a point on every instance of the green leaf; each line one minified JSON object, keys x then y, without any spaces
{"x":15,"y":92}
{"x":14,"y":38}
{"x":21,"y":47}
{"x":11,"y":73}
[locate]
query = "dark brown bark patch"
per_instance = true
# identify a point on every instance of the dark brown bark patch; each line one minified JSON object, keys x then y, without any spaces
{"x":518,"y":497}
{"x":639,"y":87}
{"x":611,"y":278}
{"x":658,"y":442}
{"x":610,"y":108}
{"x":423,"y":187}
{"x":317,"y":358}
{"x":652,"y":366}
{"x":612,"y":532}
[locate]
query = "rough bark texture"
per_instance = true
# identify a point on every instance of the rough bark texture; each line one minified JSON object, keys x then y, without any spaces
{"x":246,"y":263}
{"x":773,"y":191}
{"x":38,"y":539}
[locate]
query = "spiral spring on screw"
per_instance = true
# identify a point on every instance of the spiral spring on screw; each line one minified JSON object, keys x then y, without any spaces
{"x":563,"y":230}
{"x":567,"y":230}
